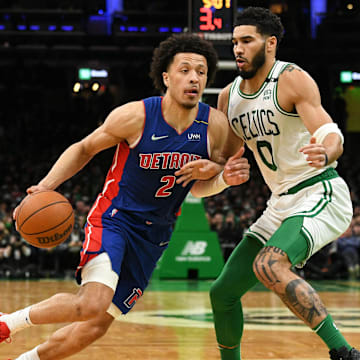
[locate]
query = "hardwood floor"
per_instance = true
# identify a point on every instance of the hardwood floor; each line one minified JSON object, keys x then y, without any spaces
{"x":173,"y":321}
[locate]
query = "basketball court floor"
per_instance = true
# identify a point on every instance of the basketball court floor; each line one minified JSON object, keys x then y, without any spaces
{"x":173,"y":321}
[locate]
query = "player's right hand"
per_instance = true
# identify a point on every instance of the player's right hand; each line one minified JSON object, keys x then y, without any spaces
{"x":237,"y":169}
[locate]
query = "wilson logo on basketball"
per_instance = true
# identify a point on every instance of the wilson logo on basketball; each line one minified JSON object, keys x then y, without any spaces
{"x":134,"y":296}
{"x":56,"y":237}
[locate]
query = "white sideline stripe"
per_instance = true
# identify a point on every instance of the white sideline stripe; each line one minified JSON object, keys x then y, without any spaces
{"x":153,"y":317}
{"x":116,"y":158}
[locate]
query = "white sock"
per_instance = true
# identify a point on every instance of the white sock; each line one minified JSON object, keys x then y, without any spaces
{"x":18,"y":320}
{"x":30,"y":355}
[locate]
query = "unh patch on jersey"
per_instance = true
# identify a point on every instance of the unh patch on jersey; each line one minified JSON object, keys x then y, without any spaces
{"x":133,"y":297}
{"x":194,"y":137}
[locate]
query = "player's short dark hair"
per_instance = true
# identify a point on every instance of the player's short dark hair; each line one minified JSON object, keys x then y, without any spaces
{"x":266,"y":22}
{"x":163,"y":56}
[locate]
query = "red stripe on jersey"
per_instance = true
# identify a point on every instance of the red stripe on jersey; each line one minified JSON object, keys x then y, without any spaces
{"x":93,"y":232}
{"x":111,"y":187}
{"x":93,"y":242}
{"x":208,"y":149}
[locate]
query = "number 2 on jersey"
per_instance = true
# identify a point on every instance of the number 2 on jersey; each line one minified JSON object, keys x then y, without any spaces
{"x":169,"y":181}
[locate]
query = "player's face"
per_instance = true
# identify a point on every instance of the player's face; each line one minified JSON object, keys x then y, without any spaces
{"x":186,"y":78}
{"x":249,"y":50}
{"x":304,"y":298}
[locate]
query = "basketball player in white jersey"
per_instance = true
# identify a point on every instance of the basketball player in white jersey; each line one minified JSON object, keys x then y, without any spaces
{"x":275,"y":108}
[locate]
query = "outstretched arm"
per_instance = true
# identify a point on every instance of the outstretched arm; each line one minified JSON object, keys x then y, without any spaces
{"x":72,"y":160}
{"x":123,"y":123}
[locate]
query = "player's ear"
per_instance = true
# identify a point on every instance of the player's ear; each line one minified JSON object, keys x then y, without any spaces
{"x":271,"y":43}
{"x":165,"y":78}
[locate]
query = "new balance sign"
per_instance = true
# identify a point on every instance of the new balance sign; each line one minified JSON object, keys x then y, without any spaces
{"x":194,"y":248}
{"x":194,"y":251}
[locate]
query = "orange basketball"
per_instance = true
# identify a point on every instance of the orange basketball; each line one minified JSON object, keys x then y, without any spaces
{"x":45,"y":219}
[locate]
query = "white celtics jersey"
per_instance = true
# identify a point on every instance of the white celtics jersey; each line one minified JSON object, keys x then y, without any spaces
{"x":273,"y":134}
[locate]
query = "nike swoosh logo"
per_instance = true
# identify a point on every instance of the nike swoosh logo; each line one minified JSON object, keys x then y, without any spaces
{"x":154,"y":137}
{"x":163,"y":243}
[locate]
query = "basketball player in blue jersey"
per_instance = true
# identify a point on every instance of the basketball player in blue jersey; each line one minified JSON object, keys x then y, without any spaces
{"x":130,"y":223}
{"x":275,"y":108}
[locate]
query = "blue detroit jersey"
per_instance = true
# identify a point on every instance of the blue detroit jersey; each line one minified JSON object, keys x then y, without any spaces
{"x":141,"y":179}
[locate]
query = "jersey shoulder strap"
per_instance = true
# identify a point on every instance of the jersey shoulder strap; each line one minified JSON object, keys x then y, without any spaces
{"x":279,"y":68}
{"x":203,"y":113}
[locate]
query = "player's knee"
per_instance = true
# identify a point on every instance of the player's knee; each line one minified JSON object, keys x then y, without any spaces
{"x":220,"y":296}
{"x":88,"y":309}
{"x":215,"y":295}
{"x":91,"y":305}
{"x":268,"y":266}
{"x":97,"y":331}
{"x":261,"y":269}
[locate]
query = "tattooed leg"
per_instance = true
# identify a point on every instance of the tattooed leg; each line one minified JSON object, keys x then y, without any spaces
{"x":273,"y":268}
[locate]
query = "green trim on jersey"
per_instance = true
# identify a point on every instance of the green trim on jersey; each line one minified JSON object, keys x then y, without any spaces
{"x":325,"y":184}
{"x":256,"y":235}
{"x":307,"y":234}
{"x":329,"y":173}
{"x":322,"y":203}
{"x":275,"y":98}
{"x":257,"y":93}
{"x":231,"y":90}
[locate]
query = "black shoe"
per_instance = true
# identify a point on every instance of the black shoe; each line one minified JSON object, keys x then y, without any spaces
{"x":344,"y":354}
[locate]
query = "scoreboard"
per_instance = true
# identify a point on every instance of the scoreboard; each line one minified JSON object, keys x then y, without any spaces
{"x":212,"y":18}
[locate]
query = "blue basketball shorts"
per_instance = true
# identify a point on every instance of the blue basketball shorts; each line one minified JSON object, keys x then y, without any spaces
{"x":133,"y":245}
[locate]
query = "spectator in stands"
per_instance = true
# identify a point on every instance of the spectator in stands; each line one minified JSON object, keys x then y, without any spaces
{"x":229,"y":233}
{"x":348,"y":247}
{"x":324,"y":265}
{"x":5,"y":251}
{"x":20,"y":258}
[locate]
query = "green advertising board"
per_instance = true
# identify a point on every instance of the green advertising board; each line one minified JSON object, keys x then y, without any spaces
{"x":194,"y":251}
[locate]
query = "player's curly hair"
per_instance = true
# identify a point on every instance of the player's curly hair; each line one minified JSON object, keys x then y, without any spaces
{"x":163,"y":56}
{"x":266,"y":22}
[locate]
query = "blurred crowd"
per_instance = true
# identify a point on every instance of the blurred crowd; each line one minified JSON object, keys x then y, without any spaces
{"x":18,"y":259}
{"x":33,"y":134}
{"x":229,"y":214}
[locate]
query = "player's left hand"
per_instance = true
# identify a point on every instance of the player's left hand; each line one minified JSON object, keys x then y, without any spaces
{"x":201,"y":169}
{"x":315,"y":154}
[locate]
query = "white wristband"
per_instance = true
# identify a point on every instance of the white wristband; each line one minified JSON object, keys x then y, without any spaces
{"x":220,"y":182}
{"x":326,"y":129}
{"x":209,"y":187}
